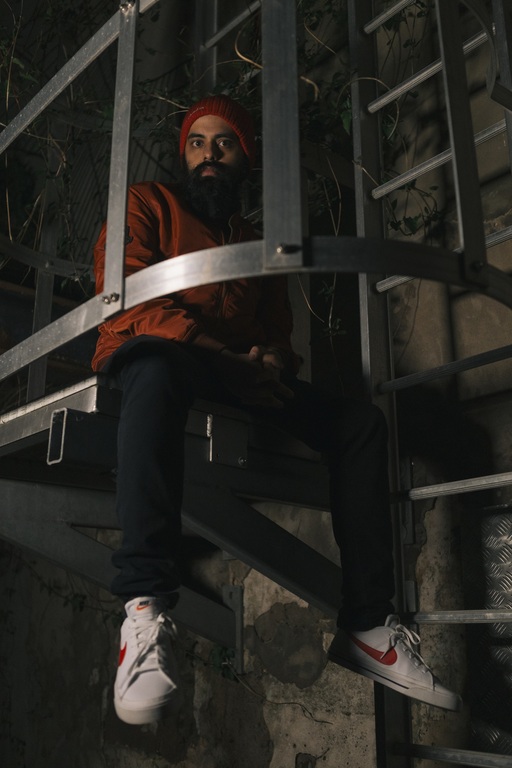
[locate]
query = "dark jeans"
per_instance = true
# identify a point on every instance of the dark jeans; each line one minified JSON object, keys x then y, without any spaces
{"x":160,"y":380}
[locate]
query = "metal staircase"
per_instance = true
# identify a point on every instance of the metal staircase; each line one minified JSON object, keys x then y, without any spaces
{"x":59,"y":448}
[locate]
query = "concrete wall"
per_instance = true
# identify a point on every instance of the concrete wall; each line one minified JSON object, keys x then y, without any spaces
{"x":58,"y":651}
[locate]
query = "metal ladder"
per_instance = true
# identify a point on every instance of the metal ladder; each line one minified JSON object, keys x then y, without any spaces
{"x":395,"y":749}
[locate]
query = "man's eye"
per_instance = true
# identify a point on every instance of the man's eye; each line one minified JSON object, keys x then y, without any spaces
{"x":197,"y":143}
{"x":226,"y":143}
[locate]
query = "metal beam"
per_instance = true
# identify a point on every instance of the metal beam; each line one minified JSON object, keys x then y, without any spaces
{"x":325,"y":254}
{"x":234,"y":526}
{"x":281,"y":155}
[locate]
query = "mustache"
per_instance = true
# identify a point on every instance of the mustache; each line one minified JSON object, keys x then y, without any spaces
{"x":219,"y":167}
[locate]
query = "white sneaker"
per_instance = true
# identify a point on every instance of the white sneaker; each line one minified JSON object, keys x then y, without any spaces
{"x":146,"y":679}
{"x":389,"y":656}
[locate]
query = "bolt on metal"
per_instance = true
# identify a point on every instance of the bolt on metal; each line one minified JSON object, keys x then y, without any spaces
{"x":287,"y":248}
{"x":111,"y":299}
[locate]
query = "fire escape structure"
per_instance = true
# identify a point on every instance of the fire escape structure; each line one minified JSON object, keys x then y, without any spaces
{"x":58,"y":448}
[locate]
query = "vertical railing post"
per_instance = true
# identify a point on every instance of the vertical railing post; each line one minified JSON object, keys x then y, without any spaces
{"x":502,"y":13}
{"x":205,"y":58}
{"x":45,"y":280}
{"x":113,"y":290}
{"x":282,"y":215}
{"x":465,"y":170}
{"x":391,"y":709}
{"x":366,"y":137}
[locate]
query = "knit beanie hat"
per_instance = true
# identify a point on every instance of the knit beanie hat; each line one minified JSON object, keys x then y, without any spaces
{"x":232,"y":112}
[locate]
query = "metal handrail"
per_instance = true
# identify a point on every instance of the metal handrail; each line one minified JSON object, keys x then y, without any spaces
{"x":323,"y":254}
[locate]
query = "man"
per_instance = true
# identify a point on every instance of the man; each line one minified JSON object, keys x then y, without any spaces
{"x":230,"y":342}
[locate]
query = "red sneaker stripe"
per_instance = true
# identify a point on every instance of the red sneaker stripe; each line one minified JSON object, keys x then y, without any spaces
{"x":122,"y":654}
{"x":388,"y":658}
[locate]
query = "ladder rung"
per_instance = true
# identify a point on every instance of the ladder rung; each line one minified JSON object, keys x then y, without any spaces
{"x":433,"y":162}
{"x":471,"y":484}
{"x":235,"y":22}
{"x":484,"y":616}
{"x":449,"y":369}
{"x":420,"y":77}
{"x":463,"y":757}
{"x":392,"y":282}
{"x":379,"y":20}
{"x":490,"y":241}
{"x":498,"y":237}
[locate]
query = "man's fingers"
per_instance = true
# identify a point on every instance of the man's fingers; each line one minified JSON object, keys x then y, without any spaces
{"x":256,"y":352}
{"x":267,"y":356}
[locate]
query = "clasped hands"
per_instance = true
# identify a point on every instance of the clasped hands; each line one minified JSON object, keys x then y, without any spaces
{"x":255,"y":376}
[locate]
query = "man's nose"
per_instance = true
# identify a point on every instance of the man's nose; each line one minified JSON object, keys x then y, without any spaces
{"x":212,"y":151}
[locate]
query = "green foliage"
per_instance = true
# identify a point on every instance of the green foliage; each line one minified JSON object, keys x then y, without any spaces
{"x":428,"y":217}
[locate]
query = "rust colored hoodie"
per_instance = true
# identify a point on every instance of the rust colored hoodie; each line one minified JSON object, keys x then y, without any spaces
{"x":236,"y":314}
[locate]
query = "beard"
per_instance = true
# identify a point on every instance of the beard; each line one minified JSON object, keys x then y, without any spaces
{"x":215,"y":198}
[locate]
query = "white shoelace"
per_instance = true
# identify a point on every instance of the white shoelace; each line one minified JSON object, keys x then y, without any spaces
{"x":410,"y":641}
{"x":146,"y":636}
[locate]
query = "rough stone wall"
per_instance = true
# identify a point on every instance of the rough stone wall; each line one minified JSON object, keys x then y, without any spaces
{"x":58,"y":650}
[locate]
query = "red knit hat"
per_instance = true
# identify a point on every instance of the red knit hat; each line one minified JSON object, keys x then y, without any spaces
{"x":232,"y":112}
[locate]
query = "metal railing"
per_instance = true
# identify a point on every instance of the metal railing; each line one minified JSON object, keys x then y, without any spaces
{"x":283,"y":248}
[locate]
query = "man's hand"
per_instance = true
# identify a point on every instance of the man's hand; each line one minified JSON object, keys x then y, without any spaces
{"x":268,"y":357}
{"x":254,"y":377}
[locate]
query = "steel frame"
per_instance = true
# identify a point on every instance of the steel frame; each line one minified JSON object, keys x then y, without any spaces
{"x":283,"y":249}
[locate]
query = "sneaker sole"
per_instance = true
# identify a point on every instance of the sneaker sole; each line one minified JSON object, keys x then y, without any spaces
{"x":148,"y":714}
{"x":449,"y":701}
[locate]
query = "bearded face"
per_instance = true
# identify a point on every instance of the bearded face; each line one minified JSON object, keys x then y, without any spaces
{"x":213,"y":189}
{"x":215,"y":166}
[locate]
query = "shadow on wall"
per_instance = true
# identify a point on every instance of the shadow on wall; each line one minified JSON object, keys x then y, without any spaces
{"x":435,"y":428}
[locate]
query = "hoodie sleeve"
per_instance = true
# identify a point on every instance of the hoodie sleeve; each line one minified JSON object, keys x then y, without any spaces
{"x":163,"y":317}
